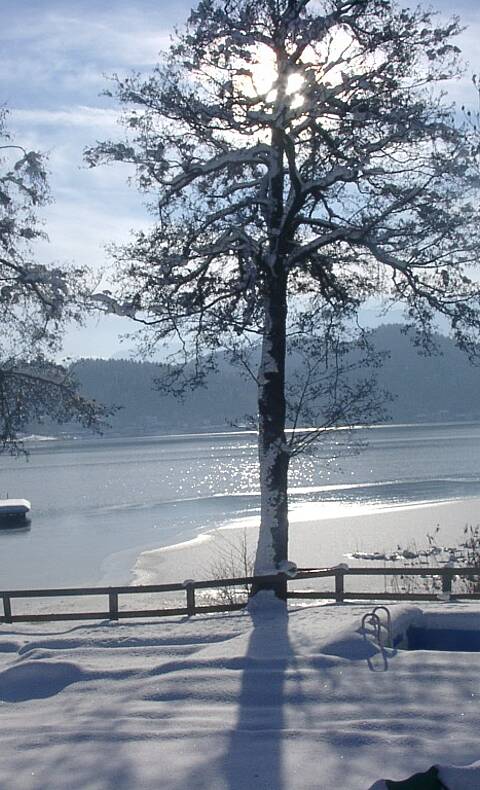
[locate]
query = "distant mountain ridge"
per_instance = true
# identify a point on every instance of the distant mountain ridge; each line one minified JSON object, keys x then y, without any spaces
{"x":443,"y":387}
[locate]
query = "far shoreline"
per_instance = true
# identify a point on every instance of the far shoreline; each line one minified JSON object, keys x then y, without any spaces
{"x":216,"y":431}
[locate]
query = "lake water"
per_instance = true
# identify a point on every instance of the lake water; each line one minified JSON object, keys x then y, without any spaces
{"x":96,"y":504}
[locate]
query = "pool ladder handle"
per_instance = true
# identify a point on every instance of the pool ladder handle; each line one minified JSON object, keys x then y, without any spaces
{"x":373,"y":618}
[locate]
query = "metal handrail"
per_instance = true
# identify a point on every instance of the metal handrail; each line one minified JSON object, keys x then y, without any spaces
{"x":388,"y":626}
{"x":373,"y":617}
{"x":375,"y":620}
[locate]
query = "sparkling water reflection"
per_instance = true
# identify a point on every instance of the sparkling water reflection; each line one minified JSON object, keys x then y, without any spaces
{"x":98,"y":498}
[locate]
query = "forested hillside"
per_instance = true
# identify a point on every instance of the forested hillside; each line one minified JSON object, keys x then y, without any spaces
{"x":444,"y":386}
{"x":424,"y":388}
{"x":130,"y":385}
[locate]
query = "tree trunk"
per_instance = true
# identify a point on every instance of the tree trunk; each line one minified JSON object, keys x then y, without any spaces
{"x":272,"y":449}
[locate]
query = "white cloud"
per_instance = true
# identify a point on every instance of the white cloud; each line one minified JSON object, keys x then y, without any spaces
{"x":102,"y":337}
{"x":80,"y":224}
{"x":77,"y":115}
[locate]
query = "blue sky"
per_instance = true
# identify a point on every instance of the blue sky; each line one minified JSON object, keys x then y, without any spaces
{"x":54,"y":59}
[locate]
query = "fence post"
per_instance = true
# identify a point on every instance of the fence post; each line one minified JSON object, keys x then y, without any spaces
{"x":339,"y":586}
{"x":7,"y":609}
{"x":447,"y":582}
{"x":190,"y":588}
{"x":113,"y":605}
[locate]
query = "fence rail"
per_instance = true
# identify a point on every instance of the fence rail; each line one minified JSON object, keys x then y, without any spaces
{"x":189,"y":588}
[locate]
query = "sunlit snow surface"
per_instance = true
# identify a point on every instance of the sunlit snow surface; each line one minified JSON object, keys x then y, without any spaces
{"x":257,"y":699}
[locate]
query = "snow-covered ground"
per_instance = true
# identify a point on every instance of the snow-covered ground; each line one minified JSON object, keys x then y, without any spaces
{"x":264,"y":699}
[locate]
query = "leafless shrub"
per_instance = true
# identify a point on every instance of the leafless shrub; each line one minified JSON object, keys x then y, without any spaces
{"x":234,"y":558}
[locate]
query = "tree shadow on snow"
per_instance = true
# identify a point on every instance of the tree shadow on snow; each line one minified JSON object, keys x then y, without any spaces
{"x":254,"y":754}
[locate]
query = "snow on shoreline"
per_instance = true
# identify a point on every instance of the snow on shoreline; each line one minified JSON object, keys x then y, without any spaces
{"x":321,"y":543}
{"x":321,"y":535}
{"x":262,"y":698}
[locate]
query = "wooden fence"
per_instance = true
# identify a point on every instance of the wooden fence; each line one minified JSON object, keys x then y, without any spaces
{"x":189,"y":588}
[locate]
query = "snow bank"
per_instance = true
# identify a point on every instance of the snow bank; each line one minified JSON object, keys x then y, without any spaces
{"x":263,"y":698}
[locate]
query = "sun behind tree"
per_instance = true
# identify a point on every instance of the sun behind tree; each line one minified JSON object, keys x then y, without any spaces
{"x":297,"y":158}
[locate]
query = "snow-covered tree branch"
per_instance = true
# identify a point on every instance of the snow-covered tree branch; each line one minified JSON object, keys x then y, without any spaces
{"x":36,"y":302}
{"x":298,"y":155}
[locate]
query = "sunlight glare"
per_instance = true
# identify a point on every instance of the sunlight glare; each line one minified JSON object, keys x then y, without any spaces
{"x":264,"y":75}
{"x":264,"y":72}
{"x":295,"y":83}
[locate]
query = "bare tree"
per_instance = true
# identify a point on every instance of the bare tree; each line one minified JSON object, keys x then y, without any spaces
{"x":298,"y":158}
{"x":35,"y":302}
